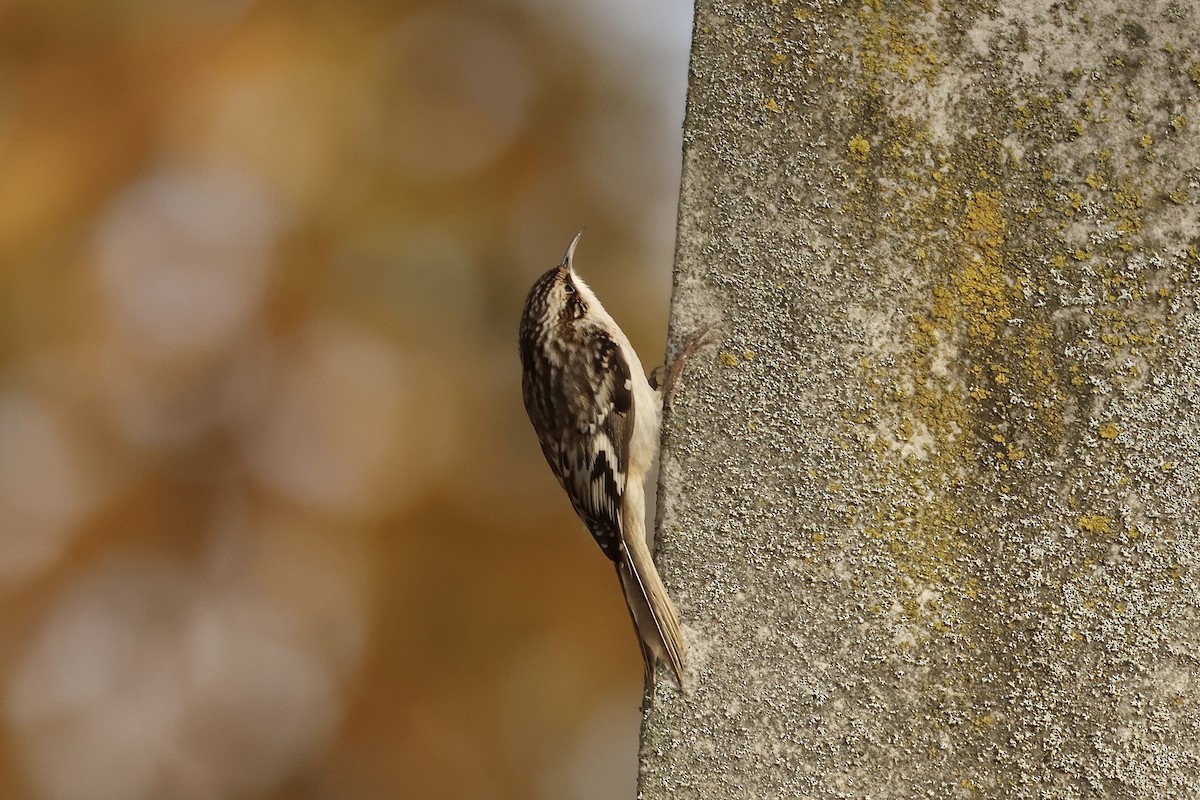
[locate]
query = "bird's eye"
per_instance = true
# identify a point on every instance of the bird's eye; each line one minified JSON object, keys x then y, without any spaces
{"x":569,"y":288}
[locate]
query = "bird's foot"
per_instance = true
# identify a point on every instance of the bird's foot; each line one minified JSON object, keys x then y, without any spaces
{"x":666,"y":378}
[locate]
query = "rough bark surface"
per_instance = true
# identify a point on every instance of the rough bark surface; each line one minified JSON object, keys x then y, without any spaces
{"x":929,"y":506}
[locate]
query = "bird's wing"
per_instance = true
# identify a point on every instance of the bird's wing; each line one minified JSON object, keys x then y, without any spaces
{"x":594,"y":456}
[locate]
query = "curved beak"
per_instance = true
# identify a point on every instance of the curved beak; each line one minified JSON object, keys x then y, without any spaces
{"x":570,"y":254}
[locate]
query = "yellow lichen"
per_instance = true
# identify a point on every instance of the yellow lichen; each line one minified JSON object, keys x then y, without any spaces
{"x":1095,"y":523}
{"x":1109,"y":430}
{"x":1128,"y":196}
{"x":859,"y":148}
{"x":980,"y":288}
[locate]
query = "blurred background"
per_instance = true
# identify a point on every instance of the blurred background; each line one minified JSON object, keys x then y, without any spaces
{"x":272,"y":521}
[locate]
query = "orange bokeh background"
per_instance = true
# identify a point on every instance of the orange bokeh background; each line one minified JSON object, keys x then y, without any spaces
{"x":272,"y":521}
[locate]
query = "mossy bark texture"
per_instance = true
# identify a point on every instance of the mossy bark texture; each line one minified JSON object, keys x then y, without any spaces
{"x":929,"y":502}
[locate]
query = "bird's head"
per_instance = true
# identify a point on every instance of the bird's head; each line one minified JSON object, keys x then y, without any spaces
{"x":559,"y":296}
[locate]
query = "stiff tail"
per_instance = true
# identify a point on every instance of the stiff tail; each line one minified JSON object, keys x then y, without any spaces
{"x":649,"y":605}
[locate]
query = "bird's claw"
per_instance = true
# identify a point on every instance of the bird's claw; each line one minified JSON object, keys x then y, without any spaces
{"x":666,"y":378}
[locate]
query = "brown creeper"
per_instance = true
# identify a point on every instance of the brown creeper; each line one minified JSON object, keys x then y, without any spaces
{"x":597,"y":418}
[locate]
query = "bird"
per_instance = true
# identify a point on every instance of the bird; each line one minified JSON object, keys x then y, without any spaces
{"x":597,"y":418}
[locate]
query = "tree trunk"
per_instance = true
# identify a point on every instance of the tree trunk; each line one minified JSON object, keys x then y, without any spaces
{"x":928,"y":507}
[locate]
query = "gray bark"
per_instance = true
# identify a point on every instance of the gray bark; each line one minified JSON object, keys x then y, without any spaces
{"x":928,"y":507}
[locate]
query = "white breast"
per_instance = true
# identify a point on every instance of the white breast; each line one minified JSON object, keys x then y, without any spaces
{"x":647,"y":404}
